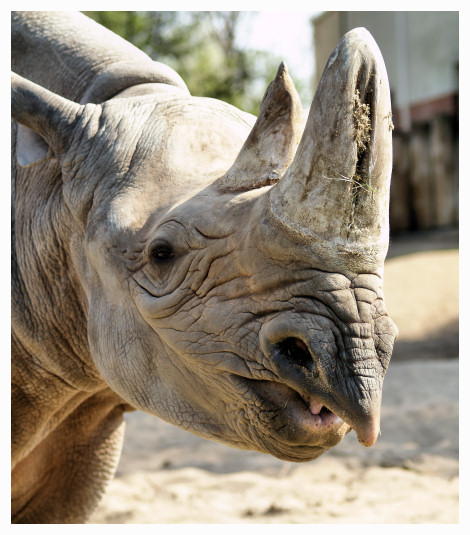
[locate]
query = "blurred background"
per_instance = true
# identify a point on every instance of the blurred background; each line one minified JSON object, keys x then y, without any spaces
{"x":411,"y":475}
{"x":233,"y":55}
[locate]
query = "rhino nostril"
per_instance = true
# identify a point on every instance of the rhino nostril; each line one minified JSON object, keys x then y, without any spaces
{"x":296,"y":351}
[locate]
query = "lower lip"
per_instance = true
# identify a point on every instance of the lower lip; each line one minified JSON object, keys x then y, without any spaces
{"x":313,"y":424}
{"x":324,"y":419}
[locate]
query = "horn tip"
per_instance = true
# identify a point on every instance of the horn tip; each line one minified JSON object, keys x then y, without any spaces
{"x":282,"y":70}
{"x":360,"y":30}
{"x":361,"y":34}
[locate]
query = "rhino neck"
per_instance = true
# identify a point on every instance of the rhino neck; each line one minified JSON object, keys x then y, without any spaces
{"x":48,"y":319}
{"x":48,"y":309}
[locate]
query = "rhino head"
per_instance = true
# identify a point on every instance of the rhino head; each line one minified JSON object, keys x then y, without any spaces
{"x":231,"y":271}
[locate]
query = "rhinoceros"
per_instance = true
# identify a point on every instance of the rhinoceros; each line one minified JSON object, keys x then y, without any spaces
{"x":176,"y":255}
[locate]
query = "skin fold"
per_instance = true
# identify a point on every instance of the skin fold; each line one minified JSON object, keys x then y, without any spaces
{"x":175,"y":255}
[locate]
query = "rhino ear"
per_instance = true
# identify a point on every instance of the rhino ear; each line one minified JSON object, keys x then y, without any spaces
{"x":30,"y":147}
{"x":44,"y":113}
{"x":271,"y":145}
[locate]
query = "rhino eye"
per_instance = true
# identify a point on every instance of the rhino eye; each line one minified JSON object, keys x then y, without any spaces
{"x":162,"y":253}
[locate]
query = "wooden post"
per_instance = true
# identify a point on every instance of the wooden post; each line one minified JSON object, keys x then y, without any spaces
{"x":443,"y":166}
{"x":400,"y":194}
{"x":421,"y":178}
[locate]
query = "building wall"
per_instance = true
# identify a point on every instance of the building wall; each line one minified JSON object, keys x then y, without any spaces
{"x":433,"y":48}
{"x":326,"y":34}
{"x":420,"y":51}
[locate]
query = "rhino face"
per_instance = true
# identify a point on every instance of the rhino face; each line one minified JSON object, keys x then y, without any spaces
{"x":237,"y":333}
{"x":241,"y":307}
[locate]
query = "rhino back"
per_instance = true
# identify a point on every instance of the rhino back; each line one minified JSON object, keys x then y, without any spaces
{"x":71,"y":55}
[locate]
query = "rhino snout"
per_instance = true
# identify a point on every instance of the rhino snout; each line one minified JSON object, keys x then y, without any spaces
{"x":296,"y":357}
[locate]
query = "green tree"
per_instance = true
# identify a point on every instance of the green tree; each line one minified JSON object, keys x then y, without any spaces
{"x":202,"y":47}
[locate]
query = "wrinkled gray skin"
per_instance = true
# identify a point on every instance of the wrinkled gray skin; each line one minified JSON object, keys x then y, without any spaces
{"x":172,"y":256}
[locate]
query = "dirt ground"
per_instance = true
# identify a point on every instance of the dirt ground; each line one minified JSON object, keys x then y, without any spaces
{"x":410,"y":476}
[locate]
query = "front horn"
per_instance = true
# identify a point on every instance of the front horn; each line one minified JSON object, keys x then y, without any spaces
{"x":336,"y":191}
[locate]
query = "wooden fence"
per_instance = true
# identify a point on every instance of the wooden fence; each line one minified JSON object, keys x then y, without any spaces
{"x":424,"y":190}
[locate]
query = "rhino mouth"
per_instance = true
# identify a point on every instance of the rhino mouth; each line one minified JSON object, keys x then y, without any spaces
{"x":320,"y":411}
{"x":309,"y":415}
{"x":290,"y":426}
{"x":289,"y":415}
{"x":302,"y":376}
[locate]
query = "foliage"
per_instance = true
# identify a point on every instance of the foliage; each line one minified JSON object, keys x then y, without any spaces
{"x":202,"y":47}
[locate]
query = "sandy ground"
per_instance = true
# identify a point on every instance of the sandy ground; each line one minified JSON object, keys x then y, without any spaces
{"x":167,"y":475}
